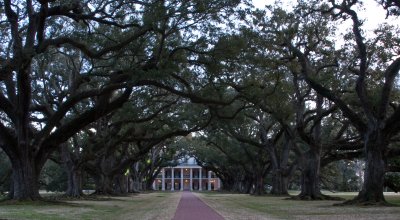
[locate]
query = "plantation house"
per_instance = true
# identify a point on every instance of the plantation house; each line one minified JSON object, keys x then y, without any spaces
{"x":186,"y":176}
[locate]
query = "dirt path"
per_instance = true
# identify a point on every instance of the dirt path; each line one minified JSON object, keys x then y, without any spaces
{"x":191,"y":207}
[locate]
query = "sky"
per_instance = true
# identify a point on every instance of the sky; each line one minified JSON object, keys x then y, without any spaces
{"x":374,"y":13}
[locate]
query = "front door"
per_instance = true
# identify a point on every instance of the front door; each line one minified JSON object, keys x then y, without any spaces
{"x":186,"y":185}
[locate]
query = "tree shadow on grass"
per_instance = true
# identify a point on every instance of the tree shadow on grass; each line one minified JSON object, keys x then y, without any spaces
{"x":58,"y":200}
{"x":356,"y":203}
{"x":318,"y":197}
{"x":43,"y":202}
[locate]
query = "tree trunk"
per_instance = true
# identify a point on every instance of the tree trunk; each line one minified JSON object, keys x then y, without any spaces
{"x":228,"y":183}
{"x":149,"y":184}
{"x":247,"y":186}
{"x":120,"y":184}
{"x":144,"y":186}
{"x":130,"y":185}
{"x":372,"y":190}
{"x":310,"y":188}
{"x":104,"y":185}
{"x":279,"y":183}
{"x":258,"y":185}
{"x":279,"y":175}
{"x":25,"y":179}
{"x":74,"y":188}
{"x":11,"y":192}
{"x":137,"y":183}
{"x":237,"y":187}
{"x":231,"y":183}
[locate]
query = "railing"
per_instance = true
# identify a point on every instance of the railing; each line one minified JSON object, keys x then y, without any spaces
{"x":176,"y":176}
{"x":187,"y":176}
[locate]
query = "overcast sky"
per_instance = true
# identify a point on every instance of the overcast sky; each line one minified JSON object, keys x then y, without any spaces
{"x":374,"y":13}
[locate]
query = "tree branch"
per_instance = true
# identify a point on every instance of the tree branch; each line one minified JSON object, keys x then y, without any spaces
{"x":390,"y":74}
{"x":89,"y":52}
{"x":70,"y":128}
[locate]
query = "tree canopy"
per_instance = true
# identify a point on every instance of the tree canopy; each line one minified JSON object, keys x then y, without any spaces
{"x":269,"y":96}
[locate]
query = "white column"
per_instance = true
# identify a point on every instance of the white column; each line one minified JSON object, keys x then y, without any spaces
{"x":191,"y":179}
{"x":127,"y":183}
{"x":209,"y":180}
{"x":200,"y":179}
{"x":172,"y":180}
{"x":181,"y":179}
{"x":163,"y":180}
{"x":219,"y":184}
{"x":154,"y":185}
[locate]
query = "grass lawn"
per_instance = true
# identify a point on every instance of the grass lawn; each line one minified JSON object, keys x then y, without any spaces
{"x":162,"y":205}
{"x":241,"y":206}
{"x":157,"y":205}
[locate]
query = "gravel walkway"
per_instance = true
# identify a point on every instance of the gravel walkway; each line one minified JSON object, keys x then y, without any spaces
{"x":191,"y":207}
